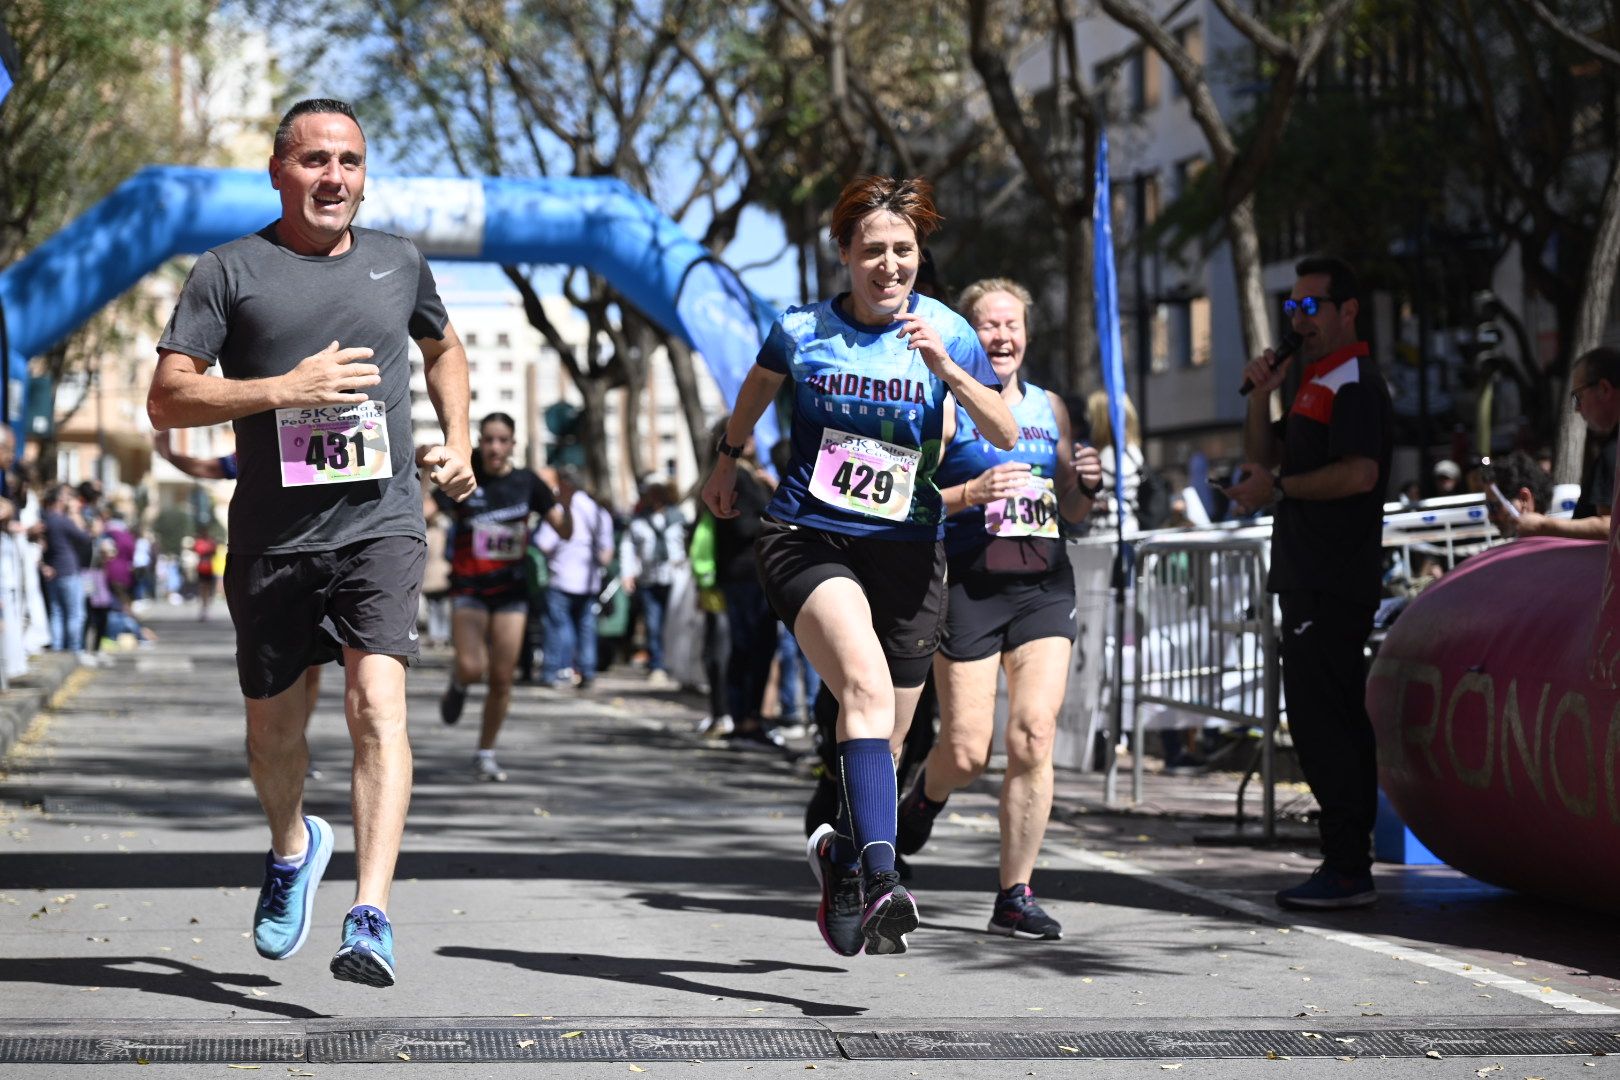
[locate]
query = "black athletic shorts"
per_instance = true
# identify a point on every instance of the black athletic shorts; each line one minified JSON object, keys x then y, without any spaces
{"x":301,"y":608}
{"x":904,"y":582}
{"x":995,"y":613}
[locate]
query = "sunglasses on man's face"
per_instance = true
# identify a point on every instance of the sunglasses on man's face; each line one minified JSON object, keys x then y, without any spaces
{"x":1310,"y":305}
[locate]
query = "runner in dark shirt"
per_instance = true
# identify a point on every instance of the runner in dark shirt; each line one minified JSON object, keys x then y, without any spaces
{"x":489,"y":593}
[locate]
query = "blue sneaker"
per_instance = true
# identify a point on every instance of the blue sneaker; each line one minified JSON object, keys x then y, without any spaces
{"x":1327,"y":890}
{"x":367,"y":955}
{"x":281,"y":920}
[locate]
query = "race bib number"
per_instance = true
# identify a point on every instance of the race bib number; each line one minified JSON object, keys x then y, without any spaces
{"x":498,"y":542}
{"x":1030,"y":512}
{"x":334,"y":444}
{"x":865,"y":475}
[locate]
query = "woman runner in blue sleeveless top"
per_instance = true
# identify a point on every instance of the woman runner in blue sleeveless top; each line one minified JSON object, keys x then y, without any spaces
{"x":1011,"y":606}
{"x":849,"y":551}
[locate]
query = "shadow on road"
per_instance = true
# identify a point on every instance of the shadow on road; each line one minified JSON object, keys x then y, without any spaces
{"x":133,"y":973}
{"x":660,"y":974}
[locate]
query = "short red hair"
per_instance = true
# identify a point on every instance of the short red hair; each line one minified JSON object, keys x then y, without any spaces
{"x":910,"y":198}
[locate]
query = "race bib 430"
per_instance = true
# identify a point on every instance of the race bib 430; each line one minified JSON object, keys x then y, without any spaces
{"x":865,"y":475}
{"x":1030,"y":512}
{"x":334,"y":444}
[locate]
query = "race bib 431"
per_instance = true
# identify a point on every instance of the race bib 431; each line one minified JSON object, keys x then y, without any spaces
{"x":334,"y":444}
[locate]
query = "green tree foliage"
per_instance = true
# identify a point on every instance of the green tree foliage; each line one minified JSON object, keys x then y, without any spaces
{"x":93,"y":102}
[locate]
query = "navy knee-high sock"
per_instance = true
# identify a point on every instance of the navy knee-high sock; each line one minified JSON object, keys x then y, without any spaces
{"x":866,"y":820}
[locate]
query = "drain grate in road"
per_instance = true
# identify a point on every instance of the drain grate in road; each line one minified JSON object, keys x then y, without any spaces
{"x":102,"y":1047}
{"x":1137,"y":1045}
{"x":501,"y":1039}
{"x":573,"y":1044}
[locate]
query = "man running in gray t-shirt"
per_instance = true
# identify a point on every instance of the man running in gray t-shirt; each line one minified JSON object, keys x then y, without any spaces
{"x":327,"y":543}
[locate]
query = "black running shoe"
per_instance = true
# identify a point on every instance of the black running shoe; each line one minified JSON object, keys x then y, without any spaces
{"x":451,"y":702}
{"x":913,"y":823}
{"x":891,"y":914}
{"x":1017,"y":915}
{"x":839,"y":915}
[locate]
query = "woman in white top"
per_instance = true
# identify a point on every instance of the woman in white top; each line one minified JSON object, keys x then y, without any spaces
{"x":1102,"y":437}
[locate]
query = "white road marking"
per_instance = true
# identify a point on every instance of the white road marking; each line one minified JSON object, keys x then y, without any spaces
{"x":1543,"y":995}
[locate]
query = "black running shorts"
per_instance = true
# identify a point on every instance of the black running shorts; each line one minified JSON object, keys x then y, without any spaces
{"x":995,"y":613}
{"x":904,"y":582}
{"x":301,"y":608}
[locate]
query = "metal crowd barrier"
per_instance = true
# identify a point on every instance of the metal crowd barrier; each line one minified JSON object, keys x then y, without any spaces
{"x":1206,"y":641}
{"x":1206,"y":629}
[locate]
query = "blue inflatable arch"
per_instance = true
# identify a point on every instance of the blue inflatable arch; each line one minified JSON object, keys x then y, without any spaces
{"x":599,"y":224}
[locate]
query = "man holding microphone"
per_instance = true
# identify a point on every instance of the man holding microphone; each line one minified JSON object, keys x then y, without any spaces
{"x":1331,"y":453}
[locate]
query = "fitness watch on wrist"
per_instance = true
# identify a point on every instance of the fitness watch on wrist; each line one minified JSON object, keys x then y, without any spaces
{"x":723,"y":447}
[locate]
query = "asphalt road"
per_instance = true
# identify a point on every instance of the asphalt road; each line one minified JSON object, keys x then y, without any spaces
{"x":633,"y":876}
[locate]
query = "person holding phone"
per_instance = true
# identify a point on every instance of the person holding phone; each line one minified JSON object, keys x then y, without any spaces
{"x":1011,"y":606}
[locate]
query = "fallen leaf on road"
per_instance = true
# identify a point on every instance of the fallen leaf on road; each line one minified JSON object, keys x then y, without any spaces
{"x":298,"y":1072}
{"x":1487,"y":1070}
{"x":572,"y":1034}
{"x":1520,"y":963}
{"x":244,"y":1067}
{"x":1175,"y":1066}
{"x":1069,"y":1049}
{"x":1309,"y":1035}
{"x":637,"y":1068}
{"x":1272,"y":1055}
{"x":1347,"y":1040}
{"x":403,"y":1056}
{"x":261,"y":993}
{"x":1432,"y":1053}
{"x":524,"y":1044}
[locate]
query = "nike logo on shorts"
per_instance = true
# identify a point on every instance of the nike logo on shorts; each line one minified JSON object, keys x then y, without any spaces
{"x":378,"y":277}
{"x":412,"y":635}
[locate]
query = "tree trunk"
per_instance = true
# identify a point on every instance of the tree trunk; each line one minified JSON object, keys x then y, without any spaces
{"x":686,"y":388}
{"x":1079,"y":373}
{"x":1253,"y":315}
{"x":593,"y":438}
{"x":1591,"y":320}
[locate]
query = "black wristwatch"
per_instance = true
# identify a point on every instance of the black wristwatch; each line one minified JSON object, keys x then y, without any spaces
{"x":1091,"y":492}
{"x":723,"y":447}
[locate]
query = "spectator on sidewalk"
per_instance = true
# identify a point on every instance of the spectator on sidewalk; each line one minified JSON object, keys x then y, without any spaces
{"x":67,"y":549}
{"x":651,"y":554}
{"x":1595,"y":383}
{"x":1333,"y":453}
{"x":577,"y":565}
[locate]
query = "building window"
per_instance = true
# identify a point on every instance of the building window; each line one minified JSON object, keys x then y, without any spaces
{"x":505,"y":367}
{"x":474,"y":394}
{"x":1187,"y":172}
{"x":508,"y":395}
{"x":503,"y":340}
{"x":1143,"y":78}
{"x":1199,"y":332}
{"x":472,"y":365}
{"x":1191,"y":40}
{"x":1161,"y":359}
{"x":470,"y":339}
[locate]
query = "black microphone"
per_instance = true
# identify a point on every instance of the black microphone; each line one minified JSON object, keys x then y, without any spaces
{"x":1289,"y":344}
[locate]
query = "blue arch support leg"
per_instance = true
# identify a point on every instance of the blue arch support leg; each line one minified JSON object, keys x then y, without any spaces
{"x":600,"y":224}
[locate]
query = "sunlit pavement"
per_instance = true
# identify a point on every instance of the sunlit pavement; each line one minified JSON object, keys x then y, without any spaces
{"x":630,"y":869}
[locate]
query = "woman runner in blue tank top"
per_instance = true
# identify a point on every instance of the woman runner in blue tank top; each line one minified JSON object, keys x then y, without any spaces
{"x":1011,"y":607}
{"x":849,"y":549}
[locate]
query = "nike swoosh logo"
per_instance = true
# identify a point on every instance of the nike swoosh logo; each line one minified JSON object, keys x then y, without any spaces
{"x":378,"y":277}
{"x":411,"y":635}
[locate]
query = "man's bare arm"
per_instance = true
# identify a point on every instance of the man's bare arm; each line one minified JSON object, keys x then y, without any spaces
{"x":184,"y":394}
